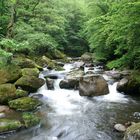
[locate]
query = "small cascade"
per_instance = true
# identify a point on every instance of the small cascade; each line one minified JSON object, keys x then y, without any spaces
{"x":114,"y":95}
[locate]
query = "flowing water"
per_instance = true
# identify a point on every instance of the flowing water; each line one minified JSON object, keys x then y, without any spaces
{"x":68,"y":116}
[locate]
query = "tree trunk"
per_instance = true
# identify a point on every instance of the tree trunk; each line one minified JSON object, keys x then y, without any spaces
{"x":12,"y":21}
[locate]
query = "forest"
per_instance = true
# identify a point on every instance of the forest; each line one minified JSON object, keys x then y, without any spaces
{"x":110,"y":29}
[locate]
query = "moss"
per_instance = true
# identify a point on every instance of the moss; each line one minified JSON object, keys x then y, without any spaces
{"x":132,"y":85}
{"x":45,"y":61}
{"x":30,"y":119}
{"x":136,"y":76}
{"x":133,"y":132}
{"x":21,"y":93}
{"x":9,"y":74}
{"x":8,"y":125}
{"x":30,"y":72}
{"x":30,"y":83}
{"x":24,"y":104}
{"x":56,"y":54}
{"x":7,"y":93}
{"x":26,"y":63}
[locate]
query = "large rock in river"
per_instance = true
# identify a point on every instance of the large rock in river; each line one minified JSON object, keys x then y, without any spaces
{"x":93,"y":85}
{"x":46,"y":62}
{"x":87,"y":57}
{"x":56,"y":54}
{"x":133,"y":132}
{"x":24,"y":104}
{"x":30,"y":83}
{"x":71,"y":80}
{"x":130,"y":85}
{"x":30,"y":72}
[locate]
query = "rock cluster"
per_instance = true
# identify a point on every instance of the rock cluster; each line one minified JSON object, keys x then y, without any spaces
{"x":16,"y":82}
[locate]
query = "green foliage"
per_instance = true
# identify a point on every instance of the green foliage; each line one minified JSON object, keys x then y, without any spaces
{"x":30,"y":119}
{"x":5,"y":58}
{"x":40,"y":26}
{"x":111,"y":28}
{"x":113,"y":32}
{"x":12,"y":46}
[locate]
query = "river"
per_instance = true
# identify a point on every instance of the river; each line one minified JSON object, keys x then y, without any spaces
{"x":68,"y":116}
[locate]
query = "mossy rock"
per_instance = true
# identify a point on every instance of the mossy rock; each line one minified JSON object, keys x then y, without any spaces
{"x":130,"y":85}
{"x":87,"y":57}
{"x":30,"y":120}
{"x":30,"y":72}
{"x":21,"y":93}
{"x":133,"y":132}
{"x":7,"y":93}
{"x":46,"y":62}
{"x":24,"y":104}
{"x":56,"y":54}
{"x":9,"y":74}
{"x":26,"y":63}
{"x":71,"y":80}
{"x":7,"y":125}
{"x":30,"y":83}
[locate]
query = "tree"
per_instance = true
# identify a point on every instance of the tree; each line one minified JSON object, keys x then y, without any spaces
{"x":113,"y":32}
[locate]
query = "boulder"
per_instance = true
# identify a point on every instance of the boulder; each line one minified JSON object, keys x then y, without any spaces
{"x":24,"y":104}
{"x":71,"y":80}
{"x":133,"y":132}
{"x":26,"y":63}
{"x":9,"y":74}
{"x":46,"y":62}
{"x":120,"y":127}
{"x":93,"y":85}
{"x":129,"y":85}
{"x":69,"y":83}
{"x":79,"y":64}
{"x":50,"y":83}
{"x":56,"y":54}
{"x":75,"y":74}
{"x":30,"y":72}
{"x":7,"y":93}
{"x":30,"y":119}
{"x":30,"y":83}
{"x":7,"y":125}
{"x":122,"y":85}
{"x":87,"y":57}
